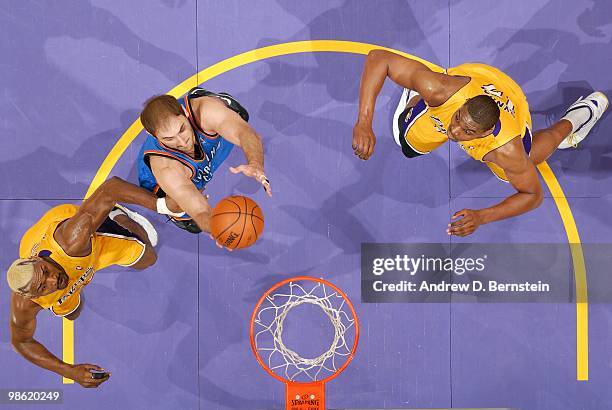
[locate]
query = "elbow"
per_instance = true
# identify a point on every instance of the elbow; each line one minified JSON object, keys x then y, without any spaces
{"x":18,"y":345}
{"x":112,"y":183}
{"x":109,"y":188}
{"x":379,"y":60}
{"x":377,"y":57}
{"x":538,"y":198}
{"x":15,"y":344}
{"x":373,"y":54}
{"x":377,"y":54}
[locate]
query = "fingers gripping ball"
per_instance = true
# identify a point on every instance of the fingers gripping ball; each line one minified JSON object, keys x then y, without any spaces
{"x":236,"y":222}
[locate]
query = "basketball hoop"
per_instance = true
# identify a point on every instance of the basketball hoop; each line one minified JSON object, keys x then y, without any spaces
{"x":304,"y":378}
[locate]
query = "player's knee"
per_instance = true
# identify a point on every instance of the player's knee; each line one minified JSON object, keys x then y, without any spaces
{"x":148,"y":259}
{"x":74,"y":315}
{"x":410,"y":152}
{"x":152,"y":255}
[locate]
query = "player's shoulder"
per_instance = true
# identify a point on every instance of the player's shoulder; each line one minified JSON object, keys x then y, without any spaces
{"x":208,"y":103}
{"x":23,"y":308}
{"x":222,"y":105}
{"x":511,"y":155}
{"x":443,"y":87}
{"x":210,"y":112}
{"x":475,"y":69}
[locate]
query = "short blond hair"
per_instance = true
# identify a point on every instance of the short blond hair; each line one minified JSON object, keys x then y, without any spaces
{"x":19,"y":275}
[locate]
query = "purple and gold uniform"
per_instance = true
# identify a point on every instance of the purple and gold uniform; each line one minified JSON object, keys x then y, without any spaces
{"x":425,"y":128}
{"x":110,"y":245}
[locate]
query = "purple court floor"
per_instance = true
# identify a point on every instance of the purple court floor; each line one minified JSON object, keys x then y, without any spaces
{"x":74,"y":77}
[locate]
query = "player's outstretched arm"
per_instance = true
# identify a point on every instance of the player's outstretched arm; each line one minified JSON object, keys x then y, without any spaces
{"x":74,"y":234}
{"x":433,"y":87}
{"x":521,"y":174}
{"x":215,"y":115}
{"x":22,"y":325}
{"x":406,"y":72}
{"x":175,"y":179}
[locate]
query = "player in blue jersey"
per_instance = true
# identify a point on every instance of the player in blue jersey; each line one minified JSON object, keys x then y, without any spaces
{"x":187,"y":142}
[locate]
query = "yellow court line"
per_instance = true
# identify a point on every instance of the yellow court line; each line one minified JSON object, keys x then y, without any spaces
{"x":580,"y":280}
{"x":228,"y":65}
{"x":336,"y":46}
{"x":68,"y":347}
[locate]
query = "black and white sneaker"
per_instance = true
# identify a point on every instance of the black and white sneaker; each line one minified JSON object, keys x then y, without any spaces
{"x":139,"y":219}
{"x":188,"y":225}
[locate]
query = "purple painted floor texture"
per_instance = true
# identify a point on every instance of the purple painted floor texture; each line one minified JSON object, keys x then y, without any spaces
{"x":74,"y":77}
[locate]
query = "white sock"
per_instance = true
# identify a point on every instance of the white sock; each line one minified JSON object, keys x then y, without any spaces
{"x":577,"y":117}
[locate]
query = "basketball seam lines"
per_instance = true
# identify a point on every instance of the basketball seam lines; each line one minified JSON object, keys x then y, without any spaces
{"x":225,"y":230}
{"x":239,"y":213}
{"x":254,"y":228}
{"x":246,"y":208}
{"x":229,"y":199}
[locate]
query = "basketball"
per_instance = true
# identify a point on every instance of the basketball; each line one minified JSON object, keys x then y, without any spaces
{"x":236,"y":222}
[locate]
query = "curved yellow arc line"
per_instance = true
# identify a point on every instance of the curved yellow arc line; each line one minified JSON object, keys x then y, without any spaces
{"x":337,"y":46}
{"x":580,"y":280}
{"x":228,"y":65}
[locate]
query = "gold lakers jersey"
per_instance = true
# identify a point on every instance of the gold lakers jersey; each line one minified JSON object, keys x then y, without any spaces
{"x":429,"y":130}
{"x":106,"y":249}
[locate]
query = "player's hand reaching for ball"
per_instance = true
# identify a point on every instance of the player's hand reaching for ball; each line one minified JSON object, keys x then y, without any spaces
{"x":363,"y":140}
{"x":219,"y":244}
{"x":256,"y":172}
{"x":81,"y":373}
{"x":210,"y":235}
{"x":469,"y":222}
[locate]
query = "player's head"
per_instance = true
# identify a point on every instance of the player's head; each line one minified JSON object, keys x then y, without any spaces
{"x":36,"y":276}
{"x":164,"y":118}
{"x":474,"y":119}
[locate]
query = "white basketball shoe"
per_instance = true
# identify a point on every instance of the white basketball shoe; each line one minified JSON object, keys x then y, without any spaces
{"x":591,"y":109}
{"x":139,"y":219}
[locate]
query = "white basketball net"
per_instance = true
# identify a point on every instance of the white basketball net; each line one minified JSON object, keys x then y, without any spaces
{"x":269,"y":331}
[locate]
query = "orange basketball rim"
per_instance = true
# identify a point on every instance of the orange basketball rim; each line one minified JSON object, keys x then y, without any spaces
{"x":304,"y":378}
